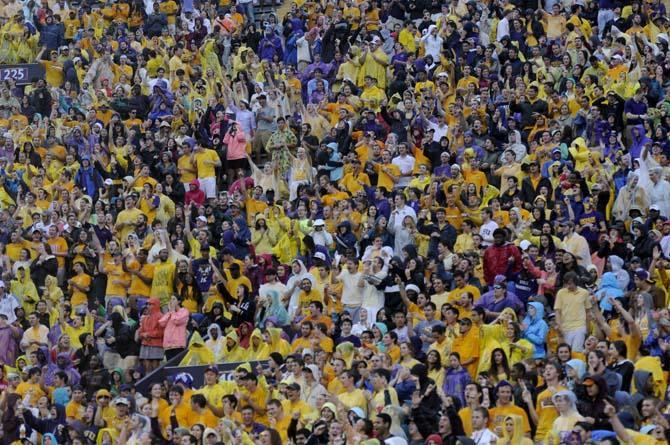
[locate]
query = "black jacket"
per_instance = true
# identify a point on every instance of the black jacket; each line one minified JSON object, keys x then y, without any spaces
{"x":530,"y":192}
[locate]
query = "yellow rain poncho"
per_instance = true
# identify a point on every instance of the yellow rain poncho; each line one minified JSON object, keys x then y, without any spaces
{"x":209,"y":59}
{"x":492,"y":336}
{"x":516,"y":436}
{"x":218,"y":345}
{"x":24,"y":289}
{"x":580,"y":153}
{"x":258,"y":349}
{"x":111,"y":432}
{"x":652,"y":365}
{"x":198,"y":353}
{"x":346,"y":351}
{"x":278,"y":344}
{"x":287,"y":244}
{"x":165,"y":210}
{"x":232,"y":351}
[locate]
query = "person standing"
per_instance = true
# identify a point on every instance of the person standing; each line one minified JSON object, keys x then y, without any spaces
{"x":174,"y":322}
{"x":206,"y":161}
{"x":571,"y":307}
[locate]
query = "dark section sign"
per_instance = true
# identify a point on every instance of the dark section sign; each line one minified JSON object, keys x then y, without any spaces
{"x":23,"y":73}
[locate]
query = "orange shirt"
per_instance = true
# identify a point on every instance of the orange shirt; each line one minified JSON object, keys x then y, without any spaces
{"x":78,"y":297}
{"x":58,"y":245}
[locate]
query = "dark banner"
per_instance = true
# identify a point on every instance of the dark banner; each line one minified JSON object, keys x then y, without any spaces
{"x":168,"y":371}
{"x":22,"y":74}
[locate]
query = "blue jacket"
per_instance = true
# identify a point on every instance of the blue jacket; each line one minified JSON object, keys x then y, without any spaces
{"x":609,"y":287}
{"x":536,"y":330}
{"x":52,"y":36}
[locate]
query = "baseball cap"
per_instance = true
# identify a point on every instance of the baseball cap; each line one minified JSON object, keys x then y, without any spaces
{"x":2,"y":283}
{"x":294,"y":386}
{"x":121,"y":401}
{"x":320,"y":255}
{"x":202,"y":218}
{"x":184,"y":378}
{"x":642,"y":274}
{"x":524,"y":244}
{"x":655,"y":207}
{"x":319,"y":222}
{"x":103,"y":393}
{"x":413,"y":288}
{"x":212,"y":368}
{"x":588,"y":382}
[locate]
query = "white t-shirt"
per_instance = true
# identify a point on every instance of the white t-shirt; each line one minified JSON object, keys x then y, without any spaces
{"x":483,"y":437}
{"x":406,"y":166}
{"x":486,"y":232}
{"x":352,"y":295}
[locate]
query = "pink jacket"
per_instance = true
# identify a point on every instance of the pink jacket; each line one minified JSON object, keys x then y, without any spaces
{"x":237,"y":145}
{"x":175,"y":328}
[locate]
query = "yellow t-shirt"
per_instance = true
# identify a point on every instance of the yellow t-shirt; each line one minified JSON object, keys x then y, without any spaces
{"x":546,"y":413}
{"x":127,"y":216}
{"x":137,"y":286}
{"x":34,"y":388}
{"x":205,"y":170}
{"x":116,"y":272}
{"x":74,"y":410}
{"x":170,"y":9}
{"x":58,"y":245}
{"x":353,"y":399}
{"x":162,"y":286}
{"x":54,"y":73}
{"x":213,"y":393}
{"x":183,"y":163}
{"x":572,"y":306}
{"x":378,"y":400}
{"x":383,"y":178}
{"x":14,"y":250}
{"x":78,"y":297}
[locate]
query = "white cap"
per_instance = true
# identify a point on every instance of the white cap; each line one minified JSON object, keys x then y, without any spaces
{"x":121,"y":401}
{"x":412,"y":287}
{"x":655,"y":207}
{"x":319,"y":222}
{"x":2,"y":283}
{"x":320,"y":255}
{"x":315,"y":371}
{"x":524,"y":244}
{"x":202,"y":218}
{"x":108,"y":181}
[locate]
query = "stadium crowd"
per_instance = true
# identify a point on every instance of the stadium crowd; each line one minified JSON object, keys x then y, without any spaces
{"x":402,"y":221}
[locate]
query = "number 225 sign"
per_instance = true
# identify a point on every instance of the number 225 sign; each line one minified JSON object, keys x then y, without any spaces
{"x":22,"y":74}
